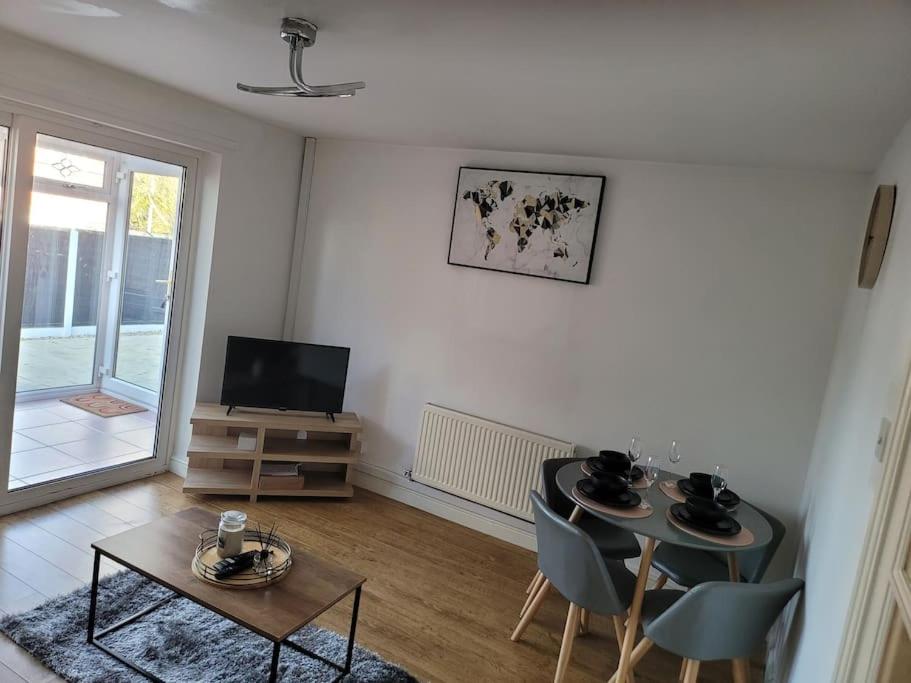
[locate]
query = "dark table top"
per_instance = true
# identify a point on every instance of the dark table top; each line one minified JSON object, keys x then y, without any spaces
{"x":656,"y":525}
{"x":163,"y":551}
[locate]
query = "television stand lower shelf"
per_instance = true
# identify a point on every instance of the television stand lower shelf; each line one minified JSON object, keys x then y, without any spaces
{"x":304,"y":454}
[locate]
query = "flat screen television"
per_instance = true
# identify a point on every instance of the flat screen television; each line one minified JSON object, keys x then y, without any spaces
{"x":262,"y":373}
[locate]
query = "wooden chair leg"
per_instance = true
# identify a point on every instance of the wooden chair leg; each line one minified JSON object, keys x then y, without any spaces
{"x":619,"y":629}
{"x":642,"y":647}
{"x":683,"y":666}
{"x":659,"y":584}
{"x":692,"y":671}
{"x":531,"y":611}
{"x":569,"y":635}
{"x":741,"y":670}
{"x":535,"y":580}
{"x":534,"y":591}
{"x":585,"y":619}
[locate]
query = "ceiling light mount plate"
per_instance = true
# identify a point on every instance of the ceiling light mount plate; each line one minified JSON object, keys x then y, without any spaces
{"x":296,"y":29}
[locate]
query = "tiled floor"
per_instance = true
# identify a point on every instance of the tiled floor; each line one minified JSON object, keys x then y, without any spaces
{"x":52,"y":440}
{"x":48,"y":363}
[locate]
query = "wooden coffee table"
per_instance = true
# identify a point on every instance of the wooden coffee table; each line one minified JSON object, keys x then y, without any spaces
{"x":163,"y":551}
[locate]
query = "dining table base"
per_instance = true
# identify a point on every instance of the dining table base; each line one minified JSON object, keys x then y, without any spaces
{"x":635,"y":611}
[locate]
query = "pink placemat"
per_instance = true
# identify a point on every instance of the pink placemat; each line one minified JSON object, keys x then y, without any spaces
{"x":629,"y":513}
{"x":745,"y":537}
{"x":640,"y":484}
{"x":671,"y":490}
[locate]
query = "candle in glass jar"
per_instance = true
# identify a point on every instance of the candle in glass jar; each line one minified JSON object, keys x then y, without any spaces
{"x":231,"y":533}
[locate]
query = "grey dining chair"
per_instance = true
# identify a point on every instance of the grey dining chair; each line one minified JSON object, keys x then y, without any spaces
{"x":689,"y":567}
{"x":570,"y":561}
{"x":715,"y":620}
{"x":612,"y":541}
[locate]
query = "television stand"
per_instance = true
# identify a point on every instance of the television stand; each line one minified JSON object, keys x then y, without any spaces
{"x":228,"y":451}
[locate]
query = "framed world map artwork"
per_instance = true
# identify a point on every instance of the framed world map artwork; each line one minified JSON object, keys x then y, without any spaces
{"x":538,"y":224}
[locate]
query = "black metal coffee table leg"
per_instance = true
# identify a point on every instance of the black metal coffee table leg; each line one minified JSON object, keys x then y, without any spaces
{"x":343,"y":669}
{"x":273,"y":672}
{"x":354,"y":609}
{"x":93,"y":600}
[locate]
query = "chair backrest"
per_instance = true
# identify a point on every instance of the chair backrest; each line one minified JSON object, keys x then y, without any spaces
{"x":568,"y":557}
{"x":554,"y":497}
{"x":753,"y":563}
{"x":722,"y":619}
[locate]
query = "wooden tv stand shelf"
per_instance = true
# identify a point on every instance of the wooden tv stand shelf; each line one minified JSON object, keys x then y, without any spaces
{"x":227,"y":452}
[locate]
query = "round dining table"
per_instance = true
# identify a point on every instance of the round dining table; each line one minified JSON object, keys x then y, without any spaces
{"x":656,"y":527}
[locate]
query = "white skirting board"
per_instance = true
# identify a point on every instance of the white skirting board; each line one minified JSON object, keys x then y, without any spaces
{"x":468,"y":514}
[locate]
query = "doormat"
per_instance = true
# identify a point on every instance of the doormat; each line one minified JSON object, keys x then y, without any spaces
{"x":103,"y":405}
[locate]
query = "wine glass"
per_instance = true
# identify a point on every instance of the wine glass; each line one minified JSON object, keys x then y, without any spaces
{"x":651,"y":471}
{"x":673,"y":453}
{"x":635,"y":449}
{"x":719,"y":480}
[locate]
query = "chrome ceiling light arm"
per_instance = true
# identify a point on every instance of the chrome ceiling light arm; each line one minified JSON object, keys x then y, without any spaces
{"x":299,"y":34}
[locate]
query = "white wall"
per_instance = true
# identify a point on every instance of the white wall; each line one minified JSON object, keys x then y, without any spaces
{"x":249,"y":184}
{"x":870,"y":366}
{"x":711,"y":318}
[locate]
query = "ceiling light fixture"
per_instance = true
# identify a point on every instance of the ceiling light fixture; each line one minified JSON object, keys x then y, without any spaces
{"x":300,"y":33}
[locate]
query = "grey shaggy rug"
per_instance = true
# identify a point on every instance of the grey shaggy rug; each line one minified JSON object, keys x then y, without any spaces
{"x":178,"y":642}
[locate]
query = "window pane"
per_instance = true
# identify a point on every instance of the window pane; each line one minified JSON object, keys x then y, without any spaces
{"x":154,"y":206}
{"x":57,"y":211}
{"x":55,"y":162}
{"x":63,"y":276}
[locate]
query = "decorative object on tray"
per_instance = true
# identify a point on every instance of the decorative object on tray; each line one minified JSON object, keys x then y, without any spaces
{"x":231,"y":533}
{"x":537,"y":224}
{"x":263,"y":559}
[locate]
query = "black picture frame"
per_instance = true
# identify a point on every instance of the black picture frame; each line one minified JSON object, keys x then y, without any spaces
{"x":595,"y":228}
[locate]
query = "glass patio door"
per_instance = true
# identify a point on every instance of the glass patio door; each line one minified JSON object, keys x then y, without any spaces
{"x":140,"y":278}
{"x":70,"y":218}
{"x":92,"y":232}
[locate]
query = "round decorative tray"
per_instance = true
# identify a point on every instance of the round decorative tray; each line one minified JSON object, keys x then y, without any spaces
{"x":258,"y":576}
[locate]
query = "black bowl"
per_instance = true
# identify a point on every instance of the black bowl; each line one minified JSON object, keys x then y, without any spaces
{"x":702,"y":483}
{"x":615,"y":461}
{"x":705,"y":509}
{"x":609,"y":482}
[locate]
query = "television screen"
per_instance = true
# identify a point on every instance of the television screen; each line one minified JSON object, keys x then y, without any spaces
{"x":261,"y":373}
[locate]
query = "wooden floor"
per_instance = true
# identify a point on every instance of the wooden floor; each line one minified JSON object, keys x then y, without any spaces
{"x":440,"y":600}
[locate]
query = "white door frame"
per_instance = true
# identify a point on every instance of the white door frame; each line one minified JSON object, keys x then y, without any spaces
{"x":872,"y":605}
{"x":26,"y":124}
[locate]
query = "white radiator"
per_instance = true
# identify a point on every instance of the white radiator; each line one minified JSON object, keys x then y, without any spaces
{"x":482,"y":461}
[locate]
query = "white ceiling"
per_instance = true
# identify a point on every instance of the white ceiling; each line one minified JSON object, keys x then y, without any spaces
{"x":772,"y":83}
